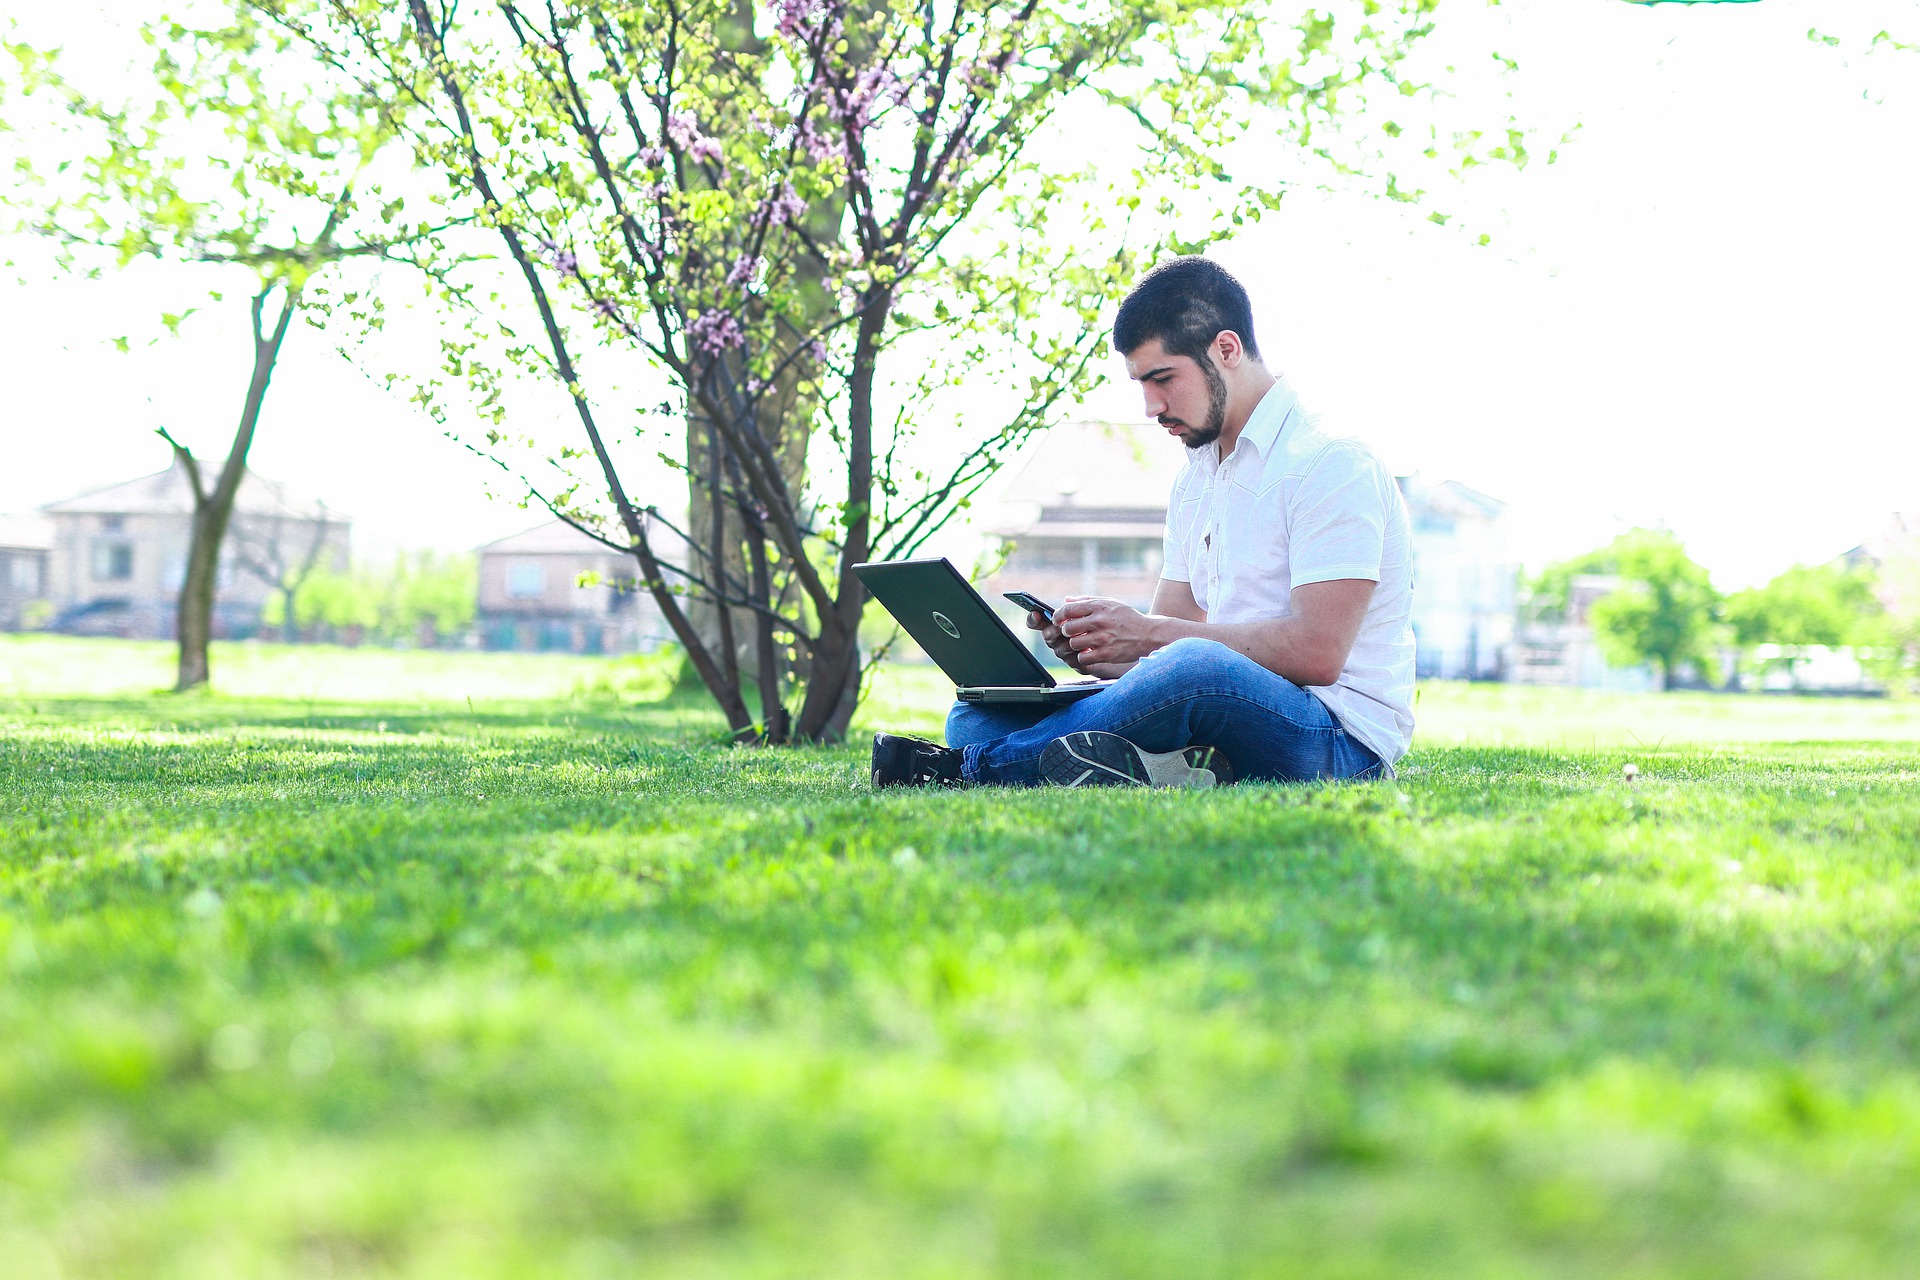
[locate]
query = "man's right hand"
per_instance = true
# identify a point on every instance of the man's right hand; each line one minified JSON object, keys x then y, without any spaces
{"x":1058,"y":641}
{"x":1055,"y":639}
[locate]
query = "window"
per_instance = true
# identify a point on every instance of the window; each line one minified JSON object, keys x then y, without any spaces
{"x":1046,"y":553}
{"x":112,"y":561}
{"x":23,"y":575}
{"x":1126,"y":555}
{"x":526,"y":579}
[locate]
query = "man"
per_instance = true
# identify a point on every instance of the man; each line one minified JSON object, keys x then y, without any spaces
{"x":1279,"y":644}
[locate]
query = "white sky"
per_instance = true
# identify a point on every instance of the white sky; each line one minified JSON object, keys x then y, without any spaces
{"x":1704,"y":315}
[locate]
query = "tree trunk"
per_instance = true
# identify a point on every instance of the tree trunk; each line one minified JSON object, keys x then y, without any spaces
{"x":766,"y":660}
{"x":213,"y":508}
{"x":785,"y":417}
{"x":833,"y":690}
{"x":833,"y":671}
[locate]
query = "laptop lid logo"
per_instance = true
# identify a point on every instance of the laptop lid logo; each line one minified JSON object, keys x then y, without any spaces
{"x":946,"y":624}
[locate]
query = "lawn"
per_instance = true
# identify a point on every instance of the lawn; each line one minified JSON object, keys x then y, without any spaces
{"x":416,"y":965}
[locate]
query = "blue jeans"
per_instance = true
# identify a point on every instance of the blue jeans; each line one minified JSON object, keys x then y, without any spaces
{"x":1192,"y":693}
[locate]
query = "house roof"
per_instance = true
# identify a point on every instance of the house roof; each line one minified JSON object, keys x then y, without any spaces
{"x":1900,"y":532}
{"x":169,"y":492}
{"x":26,"y":533}
{"x":1448,"y":498}
{"x":1101,"y":464}
{"x":555,"y":537}
{"x":1093,"y":479}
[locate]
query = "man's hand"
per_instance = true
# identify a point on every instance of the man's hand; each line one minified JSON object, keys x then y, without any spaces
{"x":1063,"y":649}
{"x":1095,"y":631}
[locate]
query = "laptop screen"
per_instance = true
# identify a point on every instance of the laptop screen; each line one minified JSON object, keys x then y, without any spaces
{"x":947,"y":618}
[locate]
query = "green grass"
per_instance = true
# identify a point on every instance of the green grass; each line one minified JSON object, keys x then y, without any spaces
{"x":335,"y":973}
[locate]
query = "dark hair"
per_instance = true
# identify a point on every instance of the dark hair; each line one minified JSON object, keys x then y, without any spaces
{"x":1186,"y":303}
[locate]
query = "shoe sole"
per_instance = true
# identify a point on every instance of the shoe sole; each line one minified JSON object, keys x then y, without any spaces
{"x":1094,"y":759}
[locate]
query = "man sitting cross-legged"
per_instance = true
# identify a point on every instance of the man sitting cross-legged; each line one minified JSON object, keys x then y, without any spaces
{"x":1279,"y":645}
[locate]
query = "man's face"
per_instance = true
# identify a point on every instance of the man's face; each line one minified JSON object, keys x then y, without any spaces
{"x":1186,"y":396}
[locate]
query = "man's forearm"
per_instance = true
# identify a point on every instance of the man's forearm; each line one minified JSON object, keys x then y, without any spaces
{"x":1308,"y":646}
{"x":1288,"y":647}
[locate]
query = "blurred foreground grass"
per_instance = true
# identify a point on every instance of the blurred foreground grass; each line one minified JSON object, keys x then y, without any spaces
{"x":336,"y":974}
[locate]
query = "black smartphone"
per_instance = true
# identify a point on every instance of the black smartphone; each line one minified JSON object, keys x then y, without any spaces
{"x":1031,"y":603}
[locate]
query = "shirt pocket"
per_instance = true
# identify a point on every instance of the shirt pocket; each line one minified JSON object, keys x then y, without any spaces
{"x":1260,"y":542}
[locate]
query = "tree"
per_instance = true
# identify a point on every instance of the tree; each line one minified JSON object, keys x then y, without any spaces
{"x":228,"y":158}
{"x":813,"y":221}
{"x":1830,"y":604}
{"x":419,"y":599}
{"x":1661,"y":613}
{"x":284,"y":553}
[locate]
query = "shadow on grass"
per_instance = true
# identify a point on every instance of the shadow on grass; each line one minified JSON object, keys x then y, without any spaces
{"x":682,"y":716}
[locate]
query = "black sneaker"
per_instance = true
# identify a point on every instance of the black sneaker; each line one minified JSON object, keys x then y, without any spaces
{"x":1094,"y":759}
{"x":913,"y":762}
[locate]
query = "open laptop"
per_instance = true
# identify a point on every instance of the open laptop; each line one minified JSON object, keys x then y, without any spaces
{"x":960,"y":631}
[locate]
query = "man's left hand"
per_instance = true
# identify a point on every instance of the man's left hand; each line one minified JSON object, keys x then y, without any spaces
{"x":1106,"y":631}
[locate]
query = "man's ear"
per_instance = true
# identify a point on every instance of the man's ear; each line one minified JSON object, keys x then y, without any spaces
{"x":1228,"y":350}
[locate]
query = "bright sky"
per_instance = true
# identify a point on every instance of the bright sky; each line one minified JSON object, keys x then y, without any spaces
{"x":1704,"y":315}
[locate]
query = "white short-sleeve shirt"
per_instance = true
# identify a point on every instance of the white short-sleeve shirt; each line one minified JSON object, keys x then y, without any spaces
{"x":1292,"y":506}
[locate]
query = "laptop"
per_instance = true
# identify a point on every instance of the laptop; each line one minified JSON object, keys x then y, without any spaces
{"x":961,"y":632}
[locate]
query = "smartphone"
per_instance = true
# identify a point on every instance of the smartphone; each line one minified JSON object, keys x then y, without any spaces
{"x":1031,"y":603}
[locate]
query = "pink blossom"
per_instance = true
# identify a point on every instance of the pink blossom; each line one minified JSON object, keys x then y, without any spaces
{"x":820,"y":147}
{"x":786,"y":206}
{"x":793,"y":16}
{"x":745,"y":269}
{"x":873,"y":87}
{"x":682,"y":128}
{"x":607,"y":307}
{"x":652,"y":155}
{"x":817,"y":351}
{"x":704,"y":148}
{"x":713,"y":332}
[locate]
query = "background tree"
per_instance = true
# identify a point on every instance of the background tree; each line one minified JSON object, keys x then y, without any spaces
{"x":234,"y":155}
{"x":1888,"y":644}
{"x":1830,"y":605}
{"x":420,"y":598}
{"x":284,"y":553}
{"x":1661,"y":613}
{"x":816,"y":222}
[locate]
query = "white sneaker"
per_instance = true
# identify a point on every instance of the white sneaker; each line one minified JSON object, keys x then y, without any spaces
{"x":1094,"y":759}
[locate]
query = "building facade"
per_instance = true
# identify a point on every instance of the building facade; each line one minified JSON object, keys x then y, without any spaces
{"x":1085,"y":515}
{"x":24,"y":544}
{"x":1465,"y":581}
{"x":118,"y":555}
{"x":553,"y":588}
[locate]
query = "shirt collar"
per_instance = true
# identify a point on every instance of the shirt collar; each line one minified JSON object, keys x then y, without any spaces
{"x":1268,"y":419}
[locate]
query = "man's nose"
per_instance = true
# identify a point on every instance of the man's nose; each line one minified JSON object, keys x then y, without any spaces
{"x":1156,"y":404}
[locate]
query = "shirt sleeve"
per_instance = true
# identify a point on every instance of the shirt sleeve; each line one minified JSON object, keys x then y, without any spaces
{"x":1173,"y":547}
{"x":1337,"y":520}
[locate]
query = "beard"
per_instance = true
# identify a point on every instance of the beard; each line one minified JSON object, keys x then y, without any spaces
{"x":1201,"y":436}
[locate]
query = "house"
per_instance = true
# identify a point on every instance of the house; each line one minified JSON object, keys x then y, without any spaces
{"x":1086,"y":515}
{"x":24,"y":542}
{"x":1564,"y":651}
{"x":1893,"y":553}
{"x":1465,"y":581}
{"x":554,"y":588}
{"x":118,"y":555}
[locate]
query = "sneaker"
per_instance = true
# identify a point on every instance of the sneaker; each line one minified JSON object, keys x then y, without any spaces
{"x":1094,"y":759}
{"x":913,"y":762}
